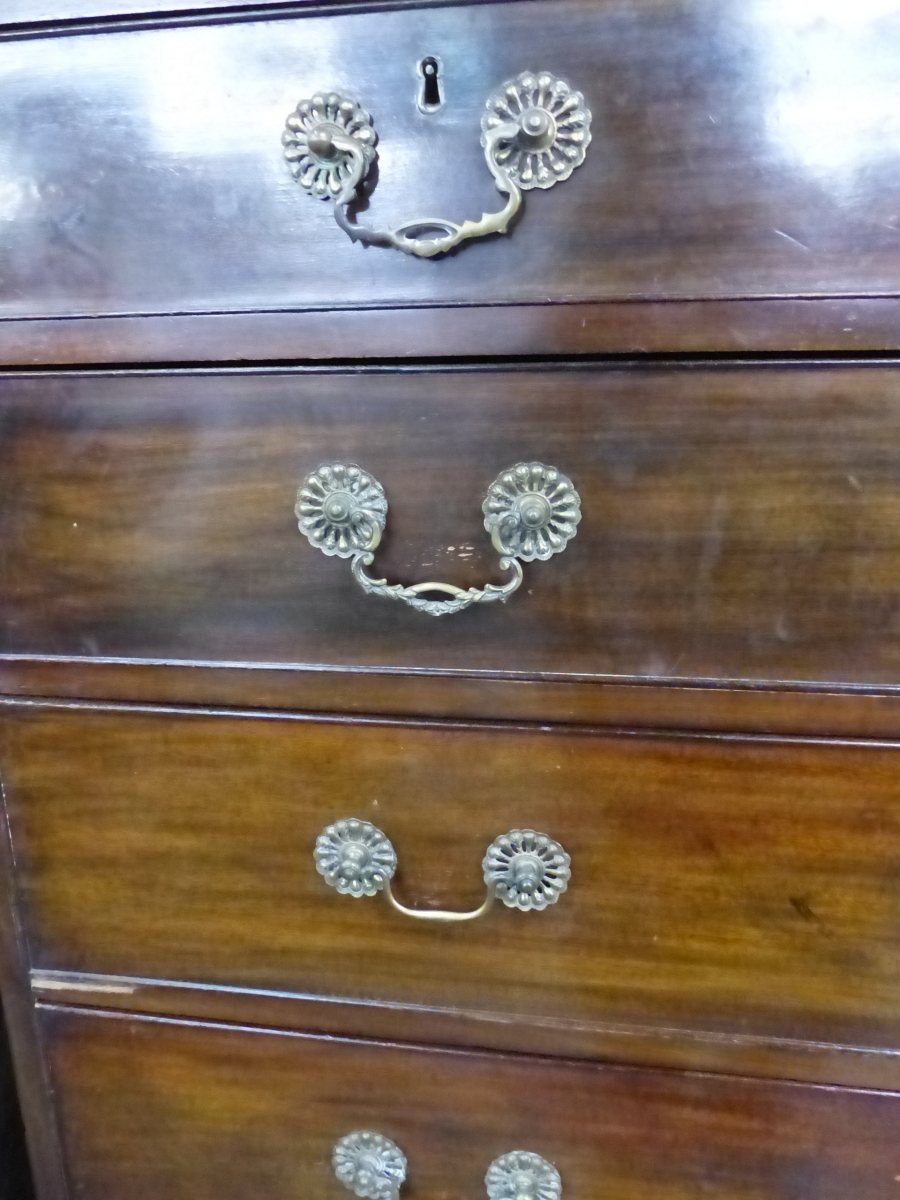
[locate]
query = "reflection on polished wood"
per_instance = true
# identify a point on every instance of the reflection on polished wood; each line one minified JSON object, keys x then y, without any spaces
{"x":154,"y":1109}
{"x":719,"y":885}
{"x":745,"y":149}
{"x":740,"y":522}
{"x":735,"y":900}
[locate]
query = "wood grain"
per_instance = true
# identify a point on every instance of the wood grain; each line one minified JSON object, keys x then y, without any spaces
{"x":740,"y":523}
{"x":147,"y":174}
{"x":823,"y":711}
{"x":156,"y":1109}
{"x":628,"y":1043}
{"x":31,"y":13}
{"x":719,"y":885}
{"x":849,"y":326}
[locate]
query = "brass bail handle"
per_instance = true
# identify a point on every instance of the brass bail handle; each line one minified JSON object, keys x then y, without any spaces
{"x":535,"y":132}
{"x":524,"y":869}
{"x":373,"y":1167}
{"x":531,"y":511}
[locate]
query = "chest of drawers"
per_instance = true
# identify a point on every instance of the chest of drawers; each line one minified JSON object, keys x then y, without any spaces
{"x":588,"y":713}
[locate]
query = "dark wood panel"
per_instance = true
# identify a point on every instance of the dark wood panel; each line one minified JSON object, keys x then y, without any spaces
{"x":161,"y":1109}
{"x":36,"y":12}
{"x":739,"y":523}
{"x":823,"y":712}
{"x":732,"y":157}
{"x":66,"y":16}
{"x":719,"y":885}
{"x":701,"y":326}
{"x":631,"y":1044}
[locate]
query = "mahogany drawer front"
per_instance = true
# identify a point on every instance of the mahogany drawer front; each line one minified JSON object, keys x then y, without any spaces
{"x":153,"y":1109}
{"x":147,"y":174}
{"x":719,"y":887}
{"x":738,"y":523}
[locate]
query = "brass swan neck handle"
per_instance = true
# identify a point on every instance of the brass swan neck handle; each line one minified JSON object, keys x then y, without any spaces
{"x":535,"y":132}
{"x":524,"y":869}
{"x":531,"y":512}
{"x":373,"y":1167}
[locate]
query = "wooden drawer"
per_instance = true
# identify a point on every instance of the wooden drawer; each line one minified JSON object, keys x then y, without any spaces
{"x":738,"y":524}
{"x":729,"y":893}
{"x":159,"y":1108}
{"x":146,"y":179}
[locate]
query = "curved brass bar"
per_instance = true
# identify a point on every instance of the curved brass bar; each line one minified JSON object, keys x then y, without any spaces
{"x":535,"y":130}
{"x":439,"y":915}
{"x":531,"y":512}
{"x":401,"y":237}
{"x":460,"y":598}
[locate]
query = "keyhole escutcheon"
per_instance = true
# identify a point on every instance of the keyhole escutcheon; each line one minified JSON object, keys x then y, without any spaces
{"x":430,"y":84}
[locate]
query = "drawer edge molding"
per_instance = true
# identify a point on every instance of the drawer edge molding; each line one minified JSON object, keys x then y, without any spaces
{"x":796,"y":325}
{"x":695,"y":706}
{"x":752,"y":1056}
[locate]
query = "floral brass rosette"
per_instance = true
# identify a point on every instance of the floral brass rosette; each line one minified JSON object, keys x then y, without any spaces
{"x":317,"y":163}
{"x":531,"y":511}
{"x":370,"y":1165}
{"x":527,"y":870}
{"x":522,"y":1173}
{"x":341,"y":509}
{"x":553,"y":129}
{"x":355,"y":857}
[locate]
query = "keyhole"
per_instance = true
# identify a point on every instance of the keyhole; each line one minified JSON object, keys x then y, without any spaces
{"x":430,"y":97}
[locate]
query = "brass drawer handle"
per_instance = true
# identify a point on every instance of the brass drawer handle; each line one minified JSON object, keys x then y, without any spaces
{"x":535,"y":132}
{"x":525,"y":869}
{"x":373,"y":1167}
{"x":531,"y":512}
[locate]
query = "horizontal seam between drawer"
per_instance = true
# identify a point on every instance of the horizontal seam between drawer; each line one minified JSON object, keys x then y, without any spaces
{"x":557,"y":728}
{"x":455,"y":1051}
{"x":393,"y":306}
{"x":561,"y":679}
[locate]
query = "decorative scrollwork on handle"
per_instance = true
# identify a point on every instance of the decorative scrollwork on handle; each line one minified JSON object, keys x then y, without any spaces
{"x":374,"y":1168}
{"x":531,"y":512}
{"x":535,"y":132}
{"x":524,"y":869}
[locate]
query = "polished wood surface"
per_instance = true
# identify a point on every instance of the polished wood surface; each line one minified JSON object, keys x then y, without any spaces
{"x":825,"y":711}
{"x":735,"y":1053}
{"x":739,"y":522}
{"x":28,"y":13}
{"x":609,"y":327}
{"x":719,"y":885}
{"x":734,"y":903}
{"x":740,"y":150}
{"x":154,"y":1109}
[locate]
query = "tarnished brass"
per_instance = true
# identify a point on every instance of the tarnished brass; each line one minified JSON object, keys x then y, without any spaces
{"x":531,"y":512}
{"x":374,"y":1168}
{"x":535,"y":132}
{"x":525,"y":869}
